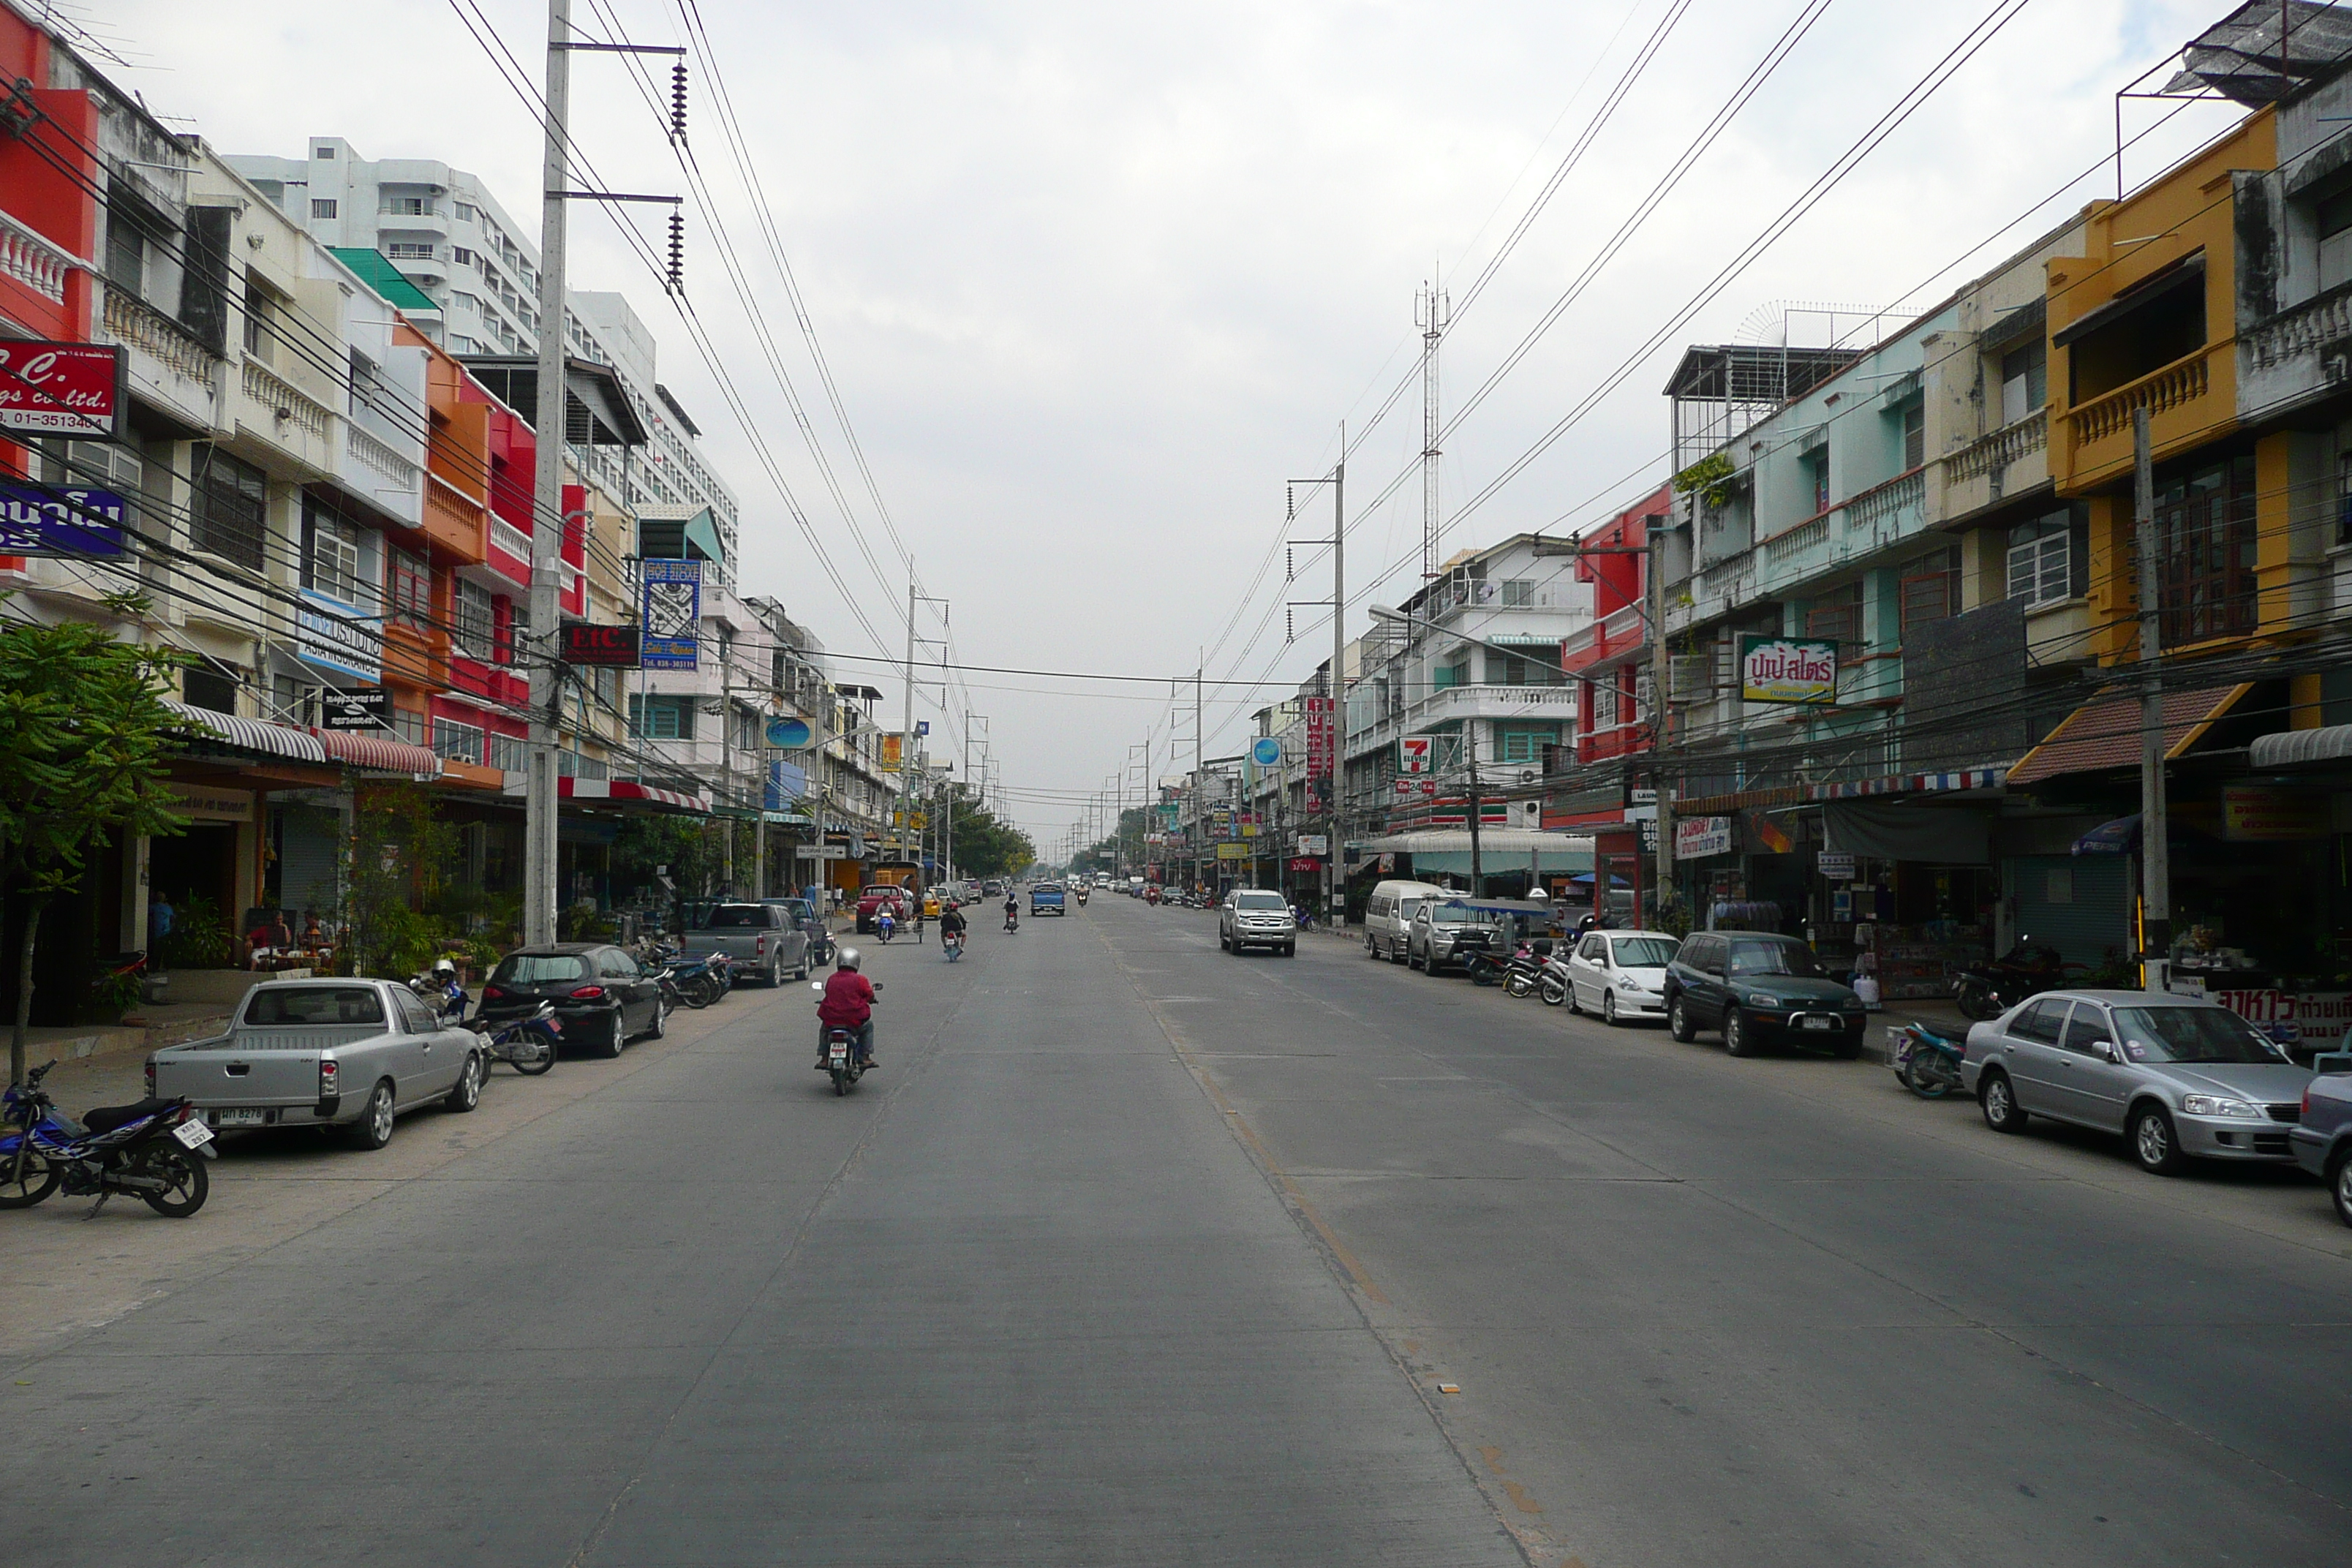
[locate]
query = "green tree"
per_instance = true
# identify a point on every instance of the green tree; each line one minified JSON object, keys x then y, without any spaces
{"x":82,"y":739}
{"x":984,"y":845}
{"x":395,"y":866}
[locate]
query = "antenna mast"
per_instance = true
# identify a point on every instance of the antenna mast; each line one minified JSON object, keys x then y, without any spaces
{"x":1432,"y":312}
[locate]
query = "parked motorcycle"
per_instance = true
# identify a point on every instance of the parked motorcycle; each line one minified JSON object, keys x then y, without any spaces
{"x":1988,"y":990}
{"x":1927,"y":1063}
{"x":700,"y":981}
{"x":1552,"y":985}
{"x":527,"y":1044}
{"x":154,"y":1149}
{"x":1522,"y":972}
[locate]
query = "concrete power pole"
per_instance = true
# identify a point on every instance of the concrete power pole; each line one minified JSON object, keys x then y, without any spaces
{"x":1431,"y":315}
{"x":2155,"y":843}
{"x":1660,"y":717}
{"x":538,"y":907}
{"x":1334,"y":886}
{"x":904,"y":814}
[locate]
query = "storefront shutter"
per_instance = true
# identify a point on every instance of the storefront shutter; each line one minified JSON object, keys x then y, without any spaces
{"x":2092,"y":913}
{"x":308,"y":840}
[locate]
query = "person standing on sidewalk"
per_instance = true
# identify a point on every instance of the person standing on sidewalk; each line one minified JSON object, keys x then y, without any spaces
{"x":160,"y":915}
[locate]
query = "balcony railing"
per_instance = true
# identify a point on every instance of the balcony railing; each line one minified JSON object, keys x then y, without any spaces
{"x":1875,"y":506}
{"x":2175,"y":387}
{"x":2303,"y":328}
{"x":2001,"y":448}
{"x":290,"y":406}
{"x":381,"y":460}
{"x":34,"y":261}
{"x":133,"y":322}
{"x":1797,"y":540}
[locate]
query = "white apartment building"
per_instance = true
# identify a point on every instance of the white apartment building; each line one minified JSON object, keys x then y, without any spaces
{"x":448,"y":235}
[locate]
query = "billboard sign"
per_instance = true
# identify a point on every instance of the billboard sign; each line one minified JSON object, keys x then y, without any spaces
{"x":1413,"y":753}
{"x":1697,"y":838}
{"x":335,"y":635}
{"x":789,"y":734}
{"x":1320,"y":745}
{"x":37,"y":519}
{"x":1786,"y":670}
{"x":608,"y":647}
{"x":1266,"y":751}
{"x":76,"y":390}
{"x":670,"y":611}
{"x":368,"y":709}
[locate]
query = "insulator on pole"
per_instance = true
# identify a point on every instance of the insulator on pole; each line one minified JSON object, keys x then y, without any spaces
{"x":677,"y":101}
{"x":676,"y":283}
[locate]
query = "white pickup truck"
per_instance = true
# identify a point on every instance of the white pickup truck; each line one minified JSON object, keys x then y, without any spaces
{"x":345,"y":1055}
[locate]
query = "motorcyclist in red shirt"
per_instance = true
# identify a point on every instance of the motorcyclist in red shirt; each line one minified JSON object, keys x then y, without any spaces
{"x":848,"y":1004}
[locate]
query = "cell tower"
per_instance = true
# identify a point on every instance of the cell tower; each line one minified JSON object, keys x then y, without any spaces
{"x":1430,"y":312}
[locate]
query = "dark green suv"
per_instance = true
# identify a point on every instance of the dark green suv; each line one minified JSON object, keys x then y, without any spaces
{"x":1759,"y":989}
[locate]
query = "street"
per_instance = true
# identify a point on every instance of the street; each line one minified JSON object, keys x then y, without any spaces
{"x":1134,"y":1252}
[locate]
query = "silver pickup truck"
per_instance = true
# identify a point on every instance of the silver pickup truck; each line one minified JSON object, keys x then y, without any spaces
{"x":347,"y":1055}
{"x":765,"y":941}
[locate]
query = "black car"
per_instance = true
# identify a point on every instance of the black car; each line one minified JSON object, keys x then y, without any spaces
{"x":1758,"y":988}
{"x":603,"y":996}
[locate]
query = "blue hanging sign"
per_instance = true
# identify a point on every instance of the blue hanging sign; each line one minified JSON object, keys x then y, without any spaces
{"x":670,"y":612}
{"x":1266,"y":751}
{"x":786,"y":783}
{"x":40,"y":520}
{"x":789,"y":734}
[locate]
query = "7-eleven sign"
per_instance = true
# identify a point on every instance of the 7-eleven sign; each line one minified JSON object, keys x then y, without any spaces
{"x":1413,"y":753}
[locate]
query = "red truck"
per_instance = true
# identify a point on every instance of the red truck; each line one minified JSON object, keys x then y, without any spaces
{"x":870,"y":903}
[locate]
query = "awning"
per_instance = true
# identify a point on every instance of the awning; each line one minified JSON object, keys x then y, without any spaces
{"x":618,"y":792}
{"x":1885,"y":830}
{"x":1501,"y":851}
{"x":254,"y":734}
{"x":2106,"y":733}
{"x":2188,"y":271}
{"x":363,"y":751}
{"x":2298,"y":748}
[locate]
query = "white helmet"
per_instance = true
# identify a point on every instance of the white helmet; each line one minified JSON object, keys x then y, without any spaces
{"x":849,"y":959}
{"x":442,"y":966}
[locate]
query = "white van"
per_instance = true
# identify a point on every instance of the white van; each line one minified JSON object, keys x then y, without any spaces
{"x":1390,"y":913}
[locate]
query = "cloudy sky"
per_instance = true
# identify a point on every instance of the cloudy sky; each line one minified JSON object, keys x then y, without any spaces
{"x":1094,"y":280}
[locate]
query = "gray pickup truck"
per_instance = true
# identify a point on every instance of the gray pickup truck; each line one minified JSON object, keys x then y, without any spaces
{"x":765,"y":941}
{"x":345,"y":1055}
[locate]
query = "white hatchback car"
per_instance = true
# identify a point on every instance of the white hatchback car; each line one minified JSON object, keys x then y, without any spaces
{"x":1620,"y":974}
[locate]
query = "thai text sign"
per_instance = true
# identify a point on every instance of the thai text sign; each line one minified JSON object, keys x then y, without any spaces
{"x":62,"y":389}
{"x":1785,"y":669}
{"x":1240,"y":851}
{"x":2311,"y":1019}
{"x":37,"y":519}
{"x":1697,"y":838}
{"x":671,"y":614}
{"x":891,"y":749}
{"x":1320,"y":745}
{"x":335,"y":635}
{"x":2258,"y":814}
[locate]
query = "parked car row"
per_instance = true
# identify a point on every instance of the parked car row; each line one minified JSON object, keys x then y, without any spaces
{"x":2179,"y":1079}
{"x":352,"y":1056}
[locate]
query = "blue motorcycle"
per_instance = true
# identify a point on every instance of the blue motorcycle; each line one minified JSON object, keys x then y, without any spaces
{"x":527,"y":1044}
{"x":1927,"y":1063}
{"x":154,"y":1149}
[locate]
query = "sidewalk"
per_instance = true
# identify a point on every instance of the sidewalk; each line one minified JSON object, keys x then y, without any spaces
{"x":143,"y":1029}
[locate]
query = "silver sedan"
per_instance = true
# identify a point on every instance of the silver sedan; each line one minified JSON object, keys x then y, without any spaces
{"x":2180,"y":1078}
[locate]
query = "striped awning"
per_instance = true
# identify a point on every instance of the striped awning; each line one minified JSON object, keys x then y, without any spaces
{"x":619,"y":791}
{"x":379,"y":752}
{"x":253,"y":734}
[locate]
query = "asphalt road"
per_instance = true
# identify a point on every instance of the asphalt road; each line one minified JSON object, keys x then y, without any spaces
{"x":1134,"y":1252}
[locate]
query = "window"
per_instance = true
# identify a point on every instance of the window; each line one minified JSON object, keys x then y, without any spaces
{"x":1816,"y":464}
{"x":1914,"y":436}
{"x":2040,"y":1021}
{"x":2205,"y":552}
{"x":1511,"y":669}
{"x":411,"y":583}
{"x":473,"y":618}
{"x":1520,"y":594}
{"x":462,"y":256}
{"x":324,"y":154}
{"x":1526,"y":745}
{"x":334,"y":557}
{"x":2041,"y":561}
{"x":2087,"y":1025}
{"x":230,"y":513}
{"x":260,"y":319}
{"x":322,"y":207}
{"x":209,"y":686}
{"x":2180,"y":1034}
{"x":133,"y":227}
{"x":1931,"y":588}
{"x":2024,"y":380}
{"x":1836,"y":616}
{"x":512,"y":753}
{"x":410,"y":726}
{"x":410,"y":250}
{"x":2336,"y":240}
{"x":415,"y":1016}
{"x":659,"y":718}
{"x":274,"y":1004}
{"x":458,"y":743}
{"x":2164,"y":322}
{"x":464,"y":211}
{"x":408,"y":206}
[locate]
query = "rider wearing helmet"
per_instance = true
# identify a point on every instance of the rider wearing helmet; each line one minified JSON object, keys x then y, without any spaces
{"x":951,"y":920}
{"x":848,"y":1004}
{"x":1012,"y":911}
{"x":448,"y":995}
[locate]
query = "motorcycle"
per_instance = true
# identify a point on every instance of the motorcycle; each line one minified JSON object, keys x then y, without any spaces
{"x":886,"y":926}
{"x":1012,"y":920}
{"x":700,"y":981}
{"x":1522,"y":972}
{"x":1927,"y":1063}
{"x":527,"y":1044}
{"x":1989,"y":990}
{"x":840,"y":1058}
{"x":1082,"y":898}
{"x":1553,"y":985}
{"x":1479,"y":962}
{"x":953,"y":941}
{"x":151,"y":1150}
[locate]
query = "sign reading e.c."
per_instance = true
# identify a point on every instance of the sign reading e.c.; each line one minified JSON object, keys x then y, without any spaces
{"x":611,"y":647}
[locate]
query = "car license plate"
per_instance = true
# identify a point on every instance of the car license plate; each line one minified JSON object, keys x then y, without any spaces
{"x":1815,"y":1021}
{"x":194,"y":1134}
{"x":234,"y":1116}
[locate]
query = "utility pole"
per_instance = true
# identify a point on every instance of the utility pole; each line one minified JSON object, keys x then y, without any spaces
{"x":2155,"y":845}
{"x":1200,"y":783}
{"x":1470,"y":742}
{"x":1660,"y":717}
{"x":539,"y":854}
{"x":907,"y":733}
{"x":1333,"y":888}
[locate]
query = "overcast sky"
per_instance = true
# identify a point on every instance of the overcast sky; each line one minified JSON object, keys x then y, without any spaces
{"x":1096,"y":280}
